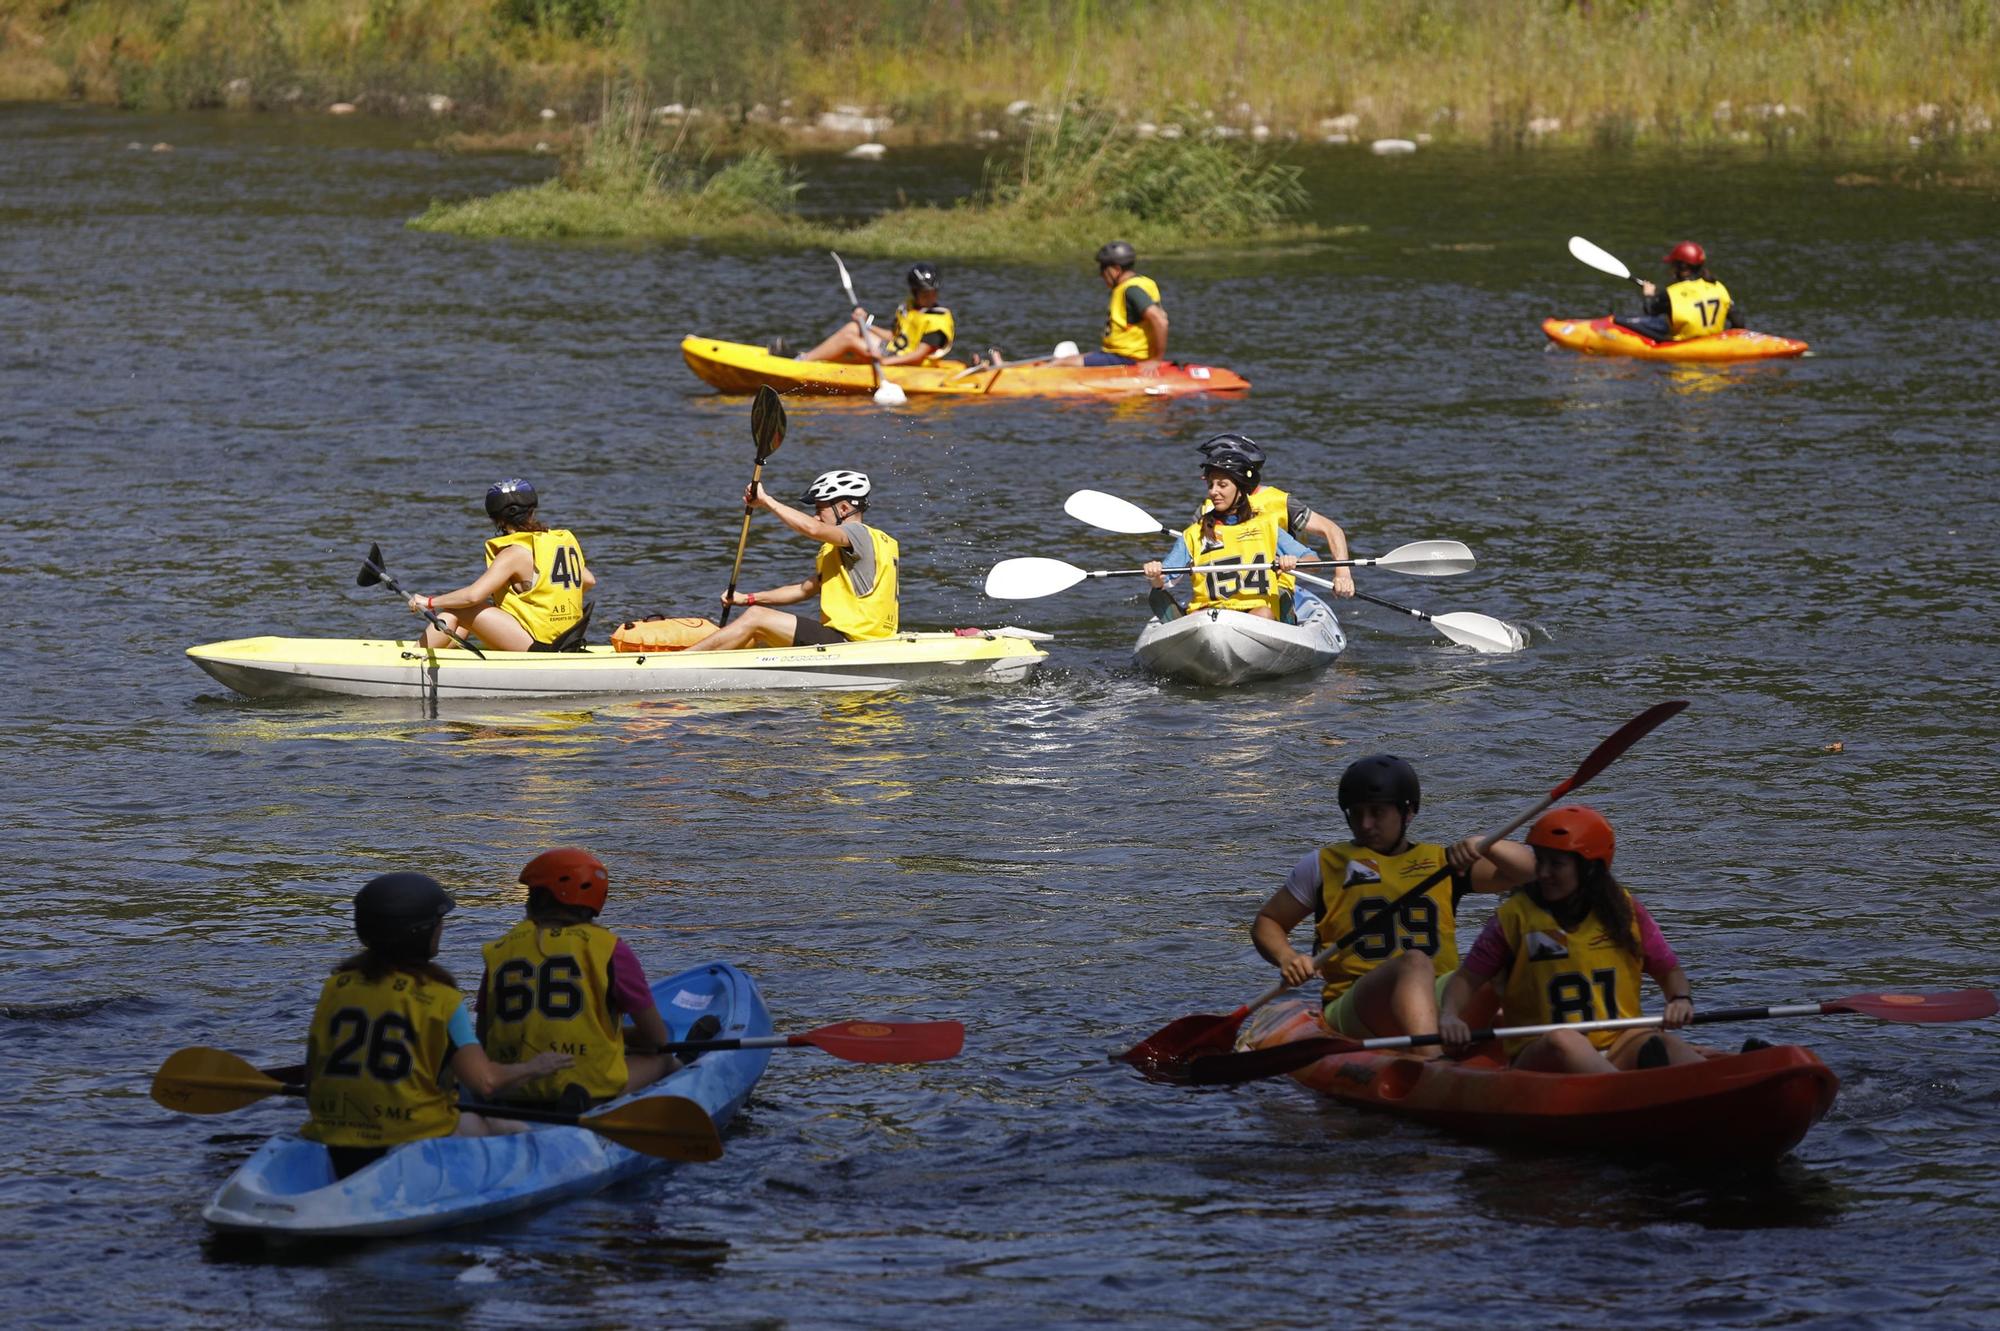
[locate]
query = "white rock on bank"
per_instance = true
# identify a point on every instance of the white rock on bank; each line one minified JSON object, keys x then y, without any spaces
{"x":341,"y":109}
{"x":1020,"y":107}
{"x":1391,"y":147}
{"x":867,"y":151}
{"x":548,"y":113}
{"x":439,"y":104}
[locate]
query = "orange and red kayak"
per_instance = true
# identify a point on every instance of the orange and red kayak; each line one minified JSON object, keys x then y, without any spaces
{"x":1743,"y":1107}
{"x":1608,"y":337}
{"x":738,"y":367}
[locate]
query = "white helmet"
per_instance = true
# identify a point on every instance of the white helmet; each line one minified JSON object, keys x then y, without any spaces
{"x":829,"y":486}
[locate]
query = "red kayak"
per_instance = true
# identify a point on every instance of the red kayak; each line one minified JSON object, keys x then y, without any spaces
{"x":1739,"y":1107}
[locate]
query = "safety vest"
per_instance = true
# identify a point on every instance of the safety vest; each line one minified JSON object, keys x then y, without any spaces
{"x":911,"y":325}
{"x":555,"y":602}
{"x":1564,"y":975}
{"x":1269,"y":500}
{"x":1124,"y":335}
{"x":1254,"y":540}
{"x":841,"y":608}
{"x":1697,"y":308}
{"x":548,"y":987}
{"x":1356,"y":883}
{"x":375,"y":1060}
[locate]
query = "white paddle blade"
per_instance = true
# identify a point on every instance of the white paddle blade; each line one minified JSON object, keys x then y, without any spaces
{"x":1428,"y":559}
{"x":891,"y":395}
{"x":1602,"y":260}
{"x":1111,"y":513}
{"x":1482,"y":633}
{"x":1031,"y":577}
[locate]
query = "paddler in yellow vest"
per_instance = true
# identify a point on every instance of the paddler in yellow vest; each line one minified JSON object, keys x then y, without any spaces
{"x":854,"y":575}
{"x":530,"y":598}
{"x":1294,"y":516}
{"x":1135,"y":329}
{"x":1570,"y":946}
{"x":923,"y":329}
{"x":1389,"y":981}
{"x":1693,"y":305}
{"x":391,"y":1034}
{"x":560,"y":981}
{"x":1230,"y":532}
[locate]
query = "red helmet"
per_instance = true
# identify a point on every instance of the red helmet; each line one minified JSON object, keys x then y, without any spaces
{"x":1574,"y":828}
{"x":1687,"y":254}
{"x":573,"y":877}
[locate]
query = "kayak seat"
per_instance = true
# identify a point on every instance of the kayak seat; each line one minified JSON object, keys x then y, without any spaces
{"x":707,"y":1028}
{"x":571,"y":638}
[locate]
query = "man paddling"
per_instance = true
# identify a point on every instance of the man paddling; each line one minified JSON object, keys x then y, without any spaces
{"x":1135,"y":330}
{"x":1694,"y":304}
{"x":854,"y":575}
{"x":924,"y":329}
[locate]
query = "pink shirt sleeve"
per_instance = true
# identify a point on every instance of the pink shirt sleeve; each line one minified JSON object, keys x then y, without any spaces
{"x":1657,"y":953}
{"x":629,"y":991}
{"x":1490,"y":954}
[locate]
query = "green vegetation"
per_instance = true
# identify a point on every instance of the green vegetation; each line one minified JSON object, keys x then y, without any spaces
{"x":1601,"y":72}
{"x":1081,"y":179}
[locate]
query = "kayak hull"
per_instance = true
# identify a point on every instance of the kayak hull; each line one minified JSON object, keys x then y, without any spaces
{"x":287,"y":1187}
{"x":1732,"y":1107}
{"x":1606,"y":337}
{"x":1227,"y":647}
{"x":738,"y":367}
{"x":273,"y":667}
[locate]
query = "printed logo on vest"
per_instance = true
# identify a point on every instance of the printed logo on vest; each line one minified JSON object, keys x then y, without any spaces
{"x":1541,"y":947}
{"x":1360,"y":871}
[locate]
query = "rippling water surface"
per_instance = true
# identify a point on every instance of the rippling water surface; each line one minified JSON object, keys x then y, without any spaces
{"x":227,"y":368}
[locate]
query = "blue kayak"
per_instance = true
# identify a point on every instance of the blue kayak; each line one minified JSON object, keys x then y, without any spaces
{"x":288,"y":1186}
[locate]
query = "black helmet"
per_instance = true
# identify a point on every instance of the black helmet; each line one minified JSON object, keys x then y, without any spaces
{"x":1381,"y":778}
{"x":1235,"y":453}
{"x":923,"y":277}
{"x":394,"y":913}
{"x":510,"y":500}
{"x":1117,"y":254}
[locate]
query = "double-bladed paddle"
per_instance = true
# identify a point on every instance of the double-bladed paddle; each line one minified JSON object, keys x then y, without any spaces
{"x":1033,"y":576}
{"x":767,"y":429}
{"x":667,"y":1127}
{"x":373,"y":574}
{"x":1166,"y":1054}
{"x":1601,"y":259}
{"x":1482,"y":633}
{"x":1230,"y":1069}
{"x":855,"y":1041}
{"x":887,"y":393}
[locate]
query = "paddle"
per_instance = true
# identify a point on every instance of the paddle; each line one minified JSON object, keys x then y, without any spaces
{"x":373,"y":573}
{"x":1467,"y":628}
{"x":667,"y":1127}
{"x":1482,"y":633}
{"x":1231,"y":1069}
{"x":995,"y":366}
{"x":855,"y":1041}
{"x":1602,"y":260}
{"x":887,"y":394}
{"x":767,"y":428}
{"x":1164,"y":1055}
{"x":1033,"y":576}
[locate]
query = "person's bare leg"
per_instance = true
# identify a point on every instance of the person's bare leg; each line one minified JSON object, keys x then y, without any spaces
{"x":847,"y":344}
{"x":758,"y":626}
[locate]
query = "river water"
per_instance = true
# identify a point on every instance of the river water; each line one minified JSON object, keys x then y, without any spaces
{"x":227,"y":368}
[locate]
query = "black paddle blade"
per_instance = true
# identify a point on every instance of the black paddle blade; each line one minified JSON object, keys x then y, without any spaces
{"x":371,"y":568}
{"x":767,"y":422}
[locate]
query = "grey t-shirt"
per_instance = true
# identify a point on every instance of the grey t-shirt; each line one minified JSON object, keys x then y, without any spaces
{"x":858,"y":559}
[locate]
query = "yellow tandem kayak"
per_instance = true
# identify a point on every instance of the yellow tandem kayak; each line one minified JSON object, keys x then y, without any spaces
{"x":738,"y":367}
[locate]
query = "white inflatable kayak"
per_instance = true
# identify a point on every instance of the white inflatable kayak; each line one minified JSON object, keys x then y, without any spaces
{"x":1229,"y":647}
{"x":271,"y":667}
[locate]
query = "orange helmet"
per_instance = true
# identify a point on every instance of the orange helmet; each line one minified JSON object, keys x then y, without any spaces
{"x":1574,"y":828}
{"x":1687,"y":254}
{"x":573,"y":877}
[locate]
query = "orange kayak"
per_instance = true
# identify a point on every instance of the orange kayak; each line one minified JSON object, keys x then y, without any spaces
{"x":1606,"y":337}
{"x":1753,"y":1106}
{"x":738,"y":367}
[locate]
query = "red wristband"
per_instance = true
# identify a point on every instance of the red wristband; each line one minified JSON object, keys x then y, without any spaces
{"x":430,"y":603}
{"x":749,"y":598}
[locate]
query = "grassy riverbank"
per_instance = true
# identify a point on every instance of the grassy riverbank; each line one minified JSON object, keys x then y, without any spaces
{"x":1607,"y":72}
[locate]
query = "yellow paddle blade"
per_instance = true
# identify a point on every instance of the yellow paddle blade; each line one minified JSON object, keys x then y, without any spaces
{"x":210,"y":1081}
{"x":666,"y":1127}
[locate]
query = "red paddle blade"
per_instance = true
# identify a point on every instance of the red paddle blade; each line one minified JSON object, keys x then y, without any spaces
{"x":888,"y":1041}
{"x":1625,"y":737}
{"x":1958,"y":1005}
{"x":1255,"y":1064}
{"x":1165,"y":1054}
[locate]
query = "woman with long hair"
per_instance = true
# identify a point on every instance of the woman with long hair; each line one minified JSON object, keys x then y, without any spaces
{"x":531,"y":594}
